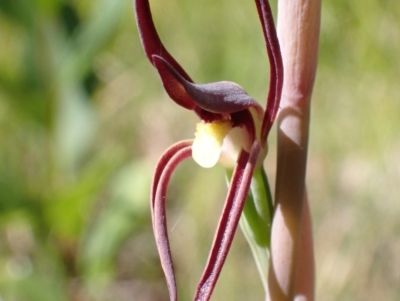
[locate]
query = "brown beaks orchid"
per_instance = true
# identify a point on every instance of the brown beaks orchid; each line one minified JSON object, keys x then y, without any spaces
{"x":233,"y":131}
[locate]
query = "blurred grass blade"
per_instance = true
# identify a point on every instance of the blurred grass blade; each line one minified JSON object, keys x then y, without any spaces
{"x":126,"y":213}
{"x":90,"y":37}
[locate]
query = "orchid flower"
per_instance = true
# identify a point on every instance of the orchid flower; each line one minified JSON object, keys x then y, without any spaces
{"x":232,"y":131}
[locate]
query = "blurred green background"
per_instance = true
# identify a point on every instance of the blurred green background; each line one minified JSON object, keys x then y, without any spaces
{"x":83,"y":120}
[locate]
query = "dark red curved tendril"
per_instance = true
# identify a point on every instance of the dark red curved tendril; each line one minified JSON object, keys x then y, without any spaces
{"x":276,"y":67}
{"x":152,"y":44}
{"x":168,"y":163}
{"x":238,"y":190}
{"x":162,"y":162}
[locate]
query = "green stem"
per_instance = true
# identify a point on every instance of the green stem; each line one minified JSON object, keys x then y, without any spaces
{"x":256,"y":221}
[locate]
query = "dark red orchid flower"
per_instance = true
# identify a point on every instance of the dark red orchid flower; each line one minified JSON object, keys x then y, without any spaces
{"x":233,"y":130}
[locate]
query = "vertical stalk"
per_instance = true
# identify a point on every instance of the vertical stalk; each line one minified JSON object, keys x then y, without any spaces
{"x":291,"y":274}
{"x":256,"y":220}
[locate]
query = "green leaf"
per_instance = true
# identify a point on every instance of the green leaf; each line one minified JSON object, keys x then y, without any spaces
{"x":127,"y":211}
{"x":256,"y":221}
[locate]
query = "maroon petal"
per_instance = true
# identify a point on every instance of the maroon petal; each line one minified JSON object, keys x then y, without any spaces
{"x":238,"y":190}
{"x":168,"y":163}
{"x":152,"y":44}
{"x":245,"y":119}
{"x":276,"y":66}
{"x":174,"y":87}
{"x":220,"y":97}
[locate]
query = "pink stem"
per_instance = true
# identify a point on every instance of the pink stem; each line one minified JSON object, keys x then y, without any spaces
{"x":291,"y":243}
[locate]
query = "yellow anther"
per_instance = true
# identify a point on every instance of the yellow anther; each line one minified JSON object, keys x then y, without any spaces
{"x":207,"y":145}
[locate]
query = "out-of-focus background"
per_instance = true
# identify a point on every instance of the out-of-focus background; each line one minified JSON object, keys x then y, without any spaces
{"x":83,"y":120}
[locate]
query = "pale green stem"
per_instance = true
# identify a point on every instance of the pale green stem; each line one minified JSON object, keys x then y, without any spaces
{"x":256,"y":221}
